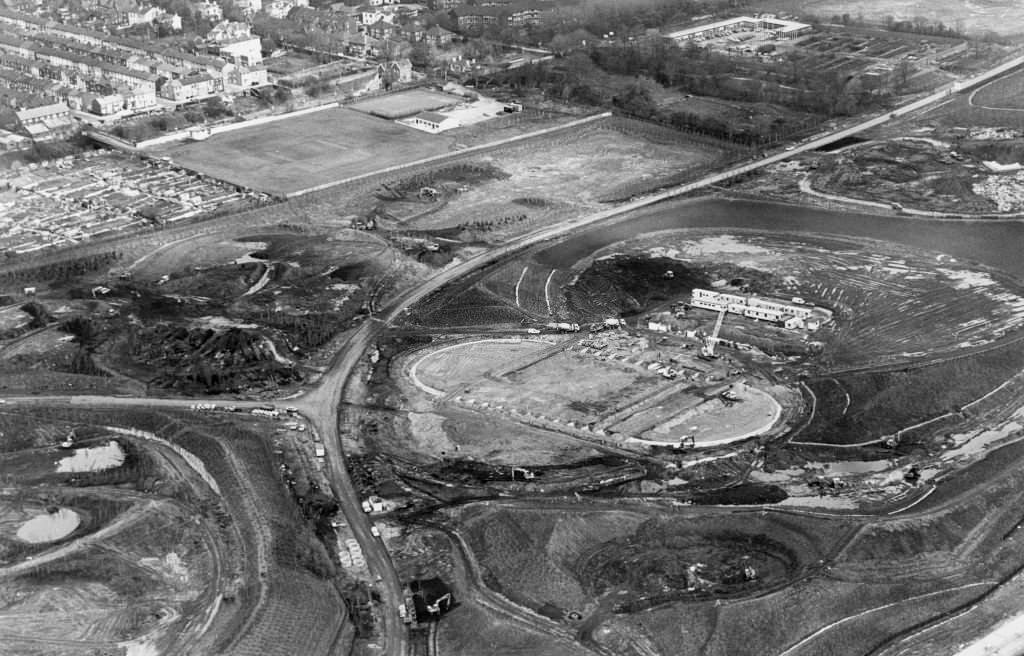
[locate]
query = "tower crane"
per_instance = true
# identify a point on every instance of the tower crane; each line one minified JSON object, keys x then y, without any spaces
{"x":707,"y":350}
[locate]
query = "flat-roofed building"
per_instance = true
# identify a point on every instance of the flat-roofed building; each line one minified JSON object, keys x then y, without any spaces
{"x":47,"y":122}
{"x":433,"y":122}
{"x":776,"y":28}
{"x":751,"y":306}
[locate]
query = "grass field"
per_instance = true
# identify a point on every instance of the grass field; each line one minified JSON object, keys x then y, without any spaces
{"x":1004,"y":93}
{"x":405,"y":103}
{"x":960,"y":113}
{"x":296,"y":153}
{"x":1004,"y":17}
{"x":574,"y":172}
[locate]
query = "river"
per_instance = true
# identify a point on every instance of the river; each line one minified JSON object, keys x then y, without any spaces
{"x":996,"y":244}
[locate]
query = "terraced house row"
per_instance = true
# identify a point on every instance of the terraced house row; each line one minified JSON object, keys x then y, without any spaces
{"x":89,"y":70}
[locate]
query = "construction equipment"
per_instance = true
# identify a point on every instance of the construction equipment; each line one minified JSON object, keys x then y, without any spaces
{"x":527,"y":474}
{"x":686,"y":442}
{"x":69,"y":441}
{"x":707,"y":349}
{"x":436,"y":607}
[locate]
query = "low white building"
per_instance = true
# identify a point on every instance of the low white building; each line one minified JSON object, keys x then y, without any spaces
{"x":793,"y":323}
{"x":432,"y":122}
{"x":47,"y":122}
{"x":769,"y":25}
{"x":154,"y":15}
{"x":209,"y":10}
{"x":235,"y":42}
{"x":764,"y":314}
{"x":793,"y":316}
{"x":242,"y":76}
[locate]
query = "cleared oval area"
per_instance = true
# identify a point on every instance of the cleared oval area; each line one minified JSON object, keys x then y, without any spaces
{"x":445,"y":369}
{"x":94,"y":458}
{"x":49,"y":526}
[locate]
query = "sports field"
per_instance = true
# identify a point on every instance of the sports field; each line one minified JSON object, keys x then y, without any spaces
{"x":405,"y":103}
{"x":296,"y":153}
{"x":1003,"y":93}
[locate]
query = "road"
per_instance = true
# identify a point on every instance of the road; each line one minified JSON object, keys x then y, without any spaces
{"x":321,"y":404}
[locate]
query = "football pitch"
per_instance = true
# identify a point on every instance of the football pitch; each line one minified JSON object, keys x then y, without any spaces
{"x":405,"y":103}
{"x":296,"y":153}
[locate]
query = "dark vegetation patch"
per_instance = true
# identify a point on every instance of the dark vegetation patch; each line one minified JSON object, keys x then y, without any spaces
{"x":461,"y":174}
{"x":627,"y":285}
{"x":840,"y":144}
{"x":473,"y":307}
{"x":96,"y":566}
{"x":885,"y":402}
{"x":209,"y":360}
{"x":744,"y":494}
{"x":1008,"y":151}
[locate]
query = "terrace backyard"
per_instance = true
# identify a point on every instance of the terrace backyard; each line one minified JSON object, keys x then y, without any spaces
{"x":100,"y":193}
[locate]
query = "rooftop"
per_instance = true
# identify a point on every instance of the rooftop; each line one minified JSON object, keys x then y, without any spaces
{"x":42,"y":112}
{"x":768,"y":22}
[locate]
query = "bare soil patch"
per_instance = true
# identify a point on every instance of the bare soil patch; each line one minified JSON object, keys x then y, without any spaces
{"x":49,"y":527}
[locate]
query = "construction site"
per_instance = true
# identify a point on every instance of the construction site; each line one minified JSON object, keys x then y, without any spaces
{"x":140,"y":532}
{"x":665,"y":374}
{"x":673,"y":342}
{"x":608,"y":387}
{"x":365,"y":420}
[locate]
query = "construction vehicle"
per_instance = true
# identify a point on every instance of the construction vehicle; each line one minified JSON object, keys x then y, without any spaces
{"x":686,"y":442}
{"x":527,"y":474}
{"x":707,"y":349}
{"x":436,"y":607}
{"x":69,"y":441}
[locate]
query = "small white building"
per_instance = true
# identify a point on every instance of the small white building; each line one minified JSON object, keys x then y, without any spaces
{"x":433,"y":122}
{"x":764,"y":314}
{"x":248,"y":77}
{"x":793,"y":323}
{"x":235,"y":42}
{"x":209,"y":10}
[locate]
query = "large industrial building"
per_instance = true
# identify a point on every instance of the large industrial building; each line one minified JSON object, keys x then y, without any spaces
{"x":766,"y":24}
